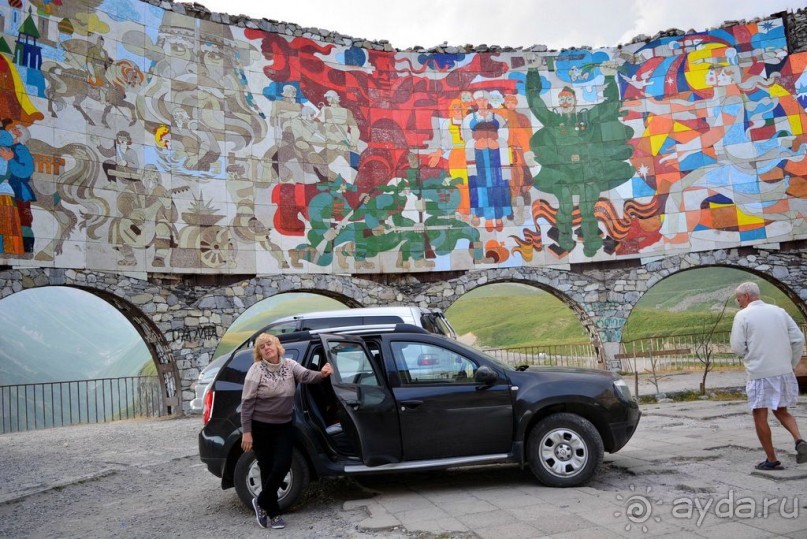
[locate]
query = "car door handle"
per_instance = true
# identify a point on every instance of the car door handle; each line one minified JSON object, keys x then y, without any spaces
{"x":410,"y":404}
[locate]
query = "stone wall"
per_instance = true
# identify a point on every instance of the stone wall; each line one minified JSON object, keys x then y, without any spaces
{"x":797,"y":31}
{"x":602,"y":298}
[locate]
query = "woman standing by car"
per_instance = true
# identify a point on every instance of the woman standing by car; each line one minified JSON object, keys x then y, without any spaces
{"x":266,"y":419}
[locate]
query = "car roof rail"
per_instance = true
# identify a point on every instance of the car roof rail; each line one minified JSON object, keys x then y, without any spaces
{"x":370,"y":328}
{"x":365,"y":328}
{"x":296,"y":336}
{"x":409,"y":328}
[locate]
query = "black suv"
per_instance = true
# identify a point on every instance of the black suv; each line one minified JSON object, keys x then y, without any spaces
{"x":406,"y":399}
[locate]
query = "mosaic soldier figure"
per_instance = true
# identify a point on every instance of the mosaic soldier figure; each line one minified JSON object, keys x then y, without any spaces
{"x":98,"y":60}
{"x":582,"y":152}
{"x":341,"y":135}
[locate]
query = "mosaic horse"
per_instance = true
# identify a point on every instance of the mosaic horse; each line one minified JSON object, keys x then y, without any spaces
{"x":71,"y":82}
{"x":64,"y":183}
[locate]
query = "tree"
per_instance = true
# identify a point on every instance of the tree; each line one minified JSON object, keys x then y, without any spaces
{"x":705,"y":346}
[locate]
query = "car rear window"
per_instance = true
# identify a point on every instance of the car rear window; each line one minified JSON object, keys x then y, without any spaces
{"x":282,"y":327}
{"x":372,"y":320}
{"x":323,"y":323}
{"x":243,"y":360}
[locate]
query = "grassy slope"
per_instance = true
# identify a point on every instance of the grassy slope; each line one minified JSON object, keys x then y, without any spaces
{"x":515,"y":315}
{"x":520,"y":315}
{"x":653,"y":317}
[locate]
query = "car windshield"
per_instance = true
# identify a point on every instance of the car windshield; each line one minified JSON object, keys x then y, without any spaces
{"x":437,"y":323}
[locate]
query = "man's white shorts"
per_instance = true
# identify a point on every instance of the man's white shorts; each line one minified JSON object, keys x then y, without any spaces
{"x":774,"y":392}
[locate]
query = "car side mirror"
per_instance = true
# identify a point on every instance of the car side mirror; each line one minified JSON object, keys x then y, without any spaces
{"x":485,"y":376}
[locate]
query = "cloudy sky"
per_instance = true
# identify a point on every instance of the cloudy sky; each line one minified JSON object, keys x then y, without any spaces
{"x":557,"y":23}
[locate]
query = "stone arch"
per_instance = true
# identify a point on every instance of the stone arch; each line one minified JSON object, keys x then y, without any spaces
{"x":99,"y":285}
{"x":782,"y":268}
{"x":555,"y":282}
{"x":233,"y":299}
{"x":220,"y":306}
{"x":602,"y":296}
{"x":158,"y":346}
{"x":782,"y":285}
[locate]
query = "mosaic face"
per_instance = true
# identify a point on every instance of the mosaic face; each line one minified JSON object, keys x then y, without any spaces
{"x":140,"y":140}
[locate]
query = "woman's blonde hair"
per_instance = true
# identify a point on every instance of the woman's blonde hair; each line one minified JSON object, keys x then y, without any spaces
{"x":262,"y":338}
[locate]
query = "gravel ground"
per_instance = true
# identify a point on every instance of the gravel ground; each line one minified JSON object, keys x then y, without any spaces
{"x":144,"y":479}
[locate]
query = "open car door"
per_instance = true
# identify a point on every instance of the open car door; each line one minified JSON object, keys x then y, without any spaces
{"x":362,"y":392}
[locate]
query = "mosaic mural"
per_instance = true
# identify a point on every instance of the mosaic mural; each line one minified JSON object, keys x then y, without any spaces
{"x":137,"y":139}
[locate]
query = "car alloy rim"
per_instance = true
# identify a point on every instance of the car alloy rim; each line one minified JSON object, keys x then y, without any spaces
{"x":254,"y":482}
{"x":563,"y":452}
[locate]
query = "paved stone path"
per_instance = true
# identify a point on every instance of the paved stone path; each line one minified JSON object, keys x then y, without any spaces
{"x":688,"y":471}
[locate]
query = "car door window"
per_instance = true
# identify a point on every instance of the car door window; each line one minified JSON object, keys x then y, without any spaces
{"x":317,"y":360}
{"x":352,"y":365}
{"x":421,"y":363}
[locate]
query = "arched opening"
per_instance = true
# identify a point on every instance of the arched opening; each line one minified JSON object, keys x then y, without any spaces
{"x":270,"y":309}
{"x":520,"y":322}
{"x":685,"y":319}
{"x":70,"y":355}
{"x":690,"y":300}
{"x":252,"y":320}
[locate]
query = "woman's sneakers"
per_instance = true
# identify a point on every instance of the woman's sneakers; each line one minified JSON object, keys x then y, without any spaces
{"x":263,"y":519}
{"x":260,"y":514}
{"x":801,"y":451}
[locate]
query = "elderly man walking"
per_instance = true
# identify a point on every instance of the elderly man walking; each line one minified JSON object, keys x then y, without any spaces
{"x":770,"y":344}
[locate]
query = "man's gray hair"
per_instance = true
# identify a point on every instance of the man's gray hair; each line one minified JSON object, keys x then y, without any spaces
{"x":752,"y":289}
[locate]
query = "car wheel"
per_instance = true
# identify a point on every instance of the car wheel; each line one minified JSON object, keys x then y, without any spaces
{"x":564,"y":450}
{"x":248,"y":480}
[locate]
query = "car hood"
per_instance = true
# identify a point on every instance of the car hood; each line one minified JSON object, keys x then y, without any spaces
{"x":565,"y":373}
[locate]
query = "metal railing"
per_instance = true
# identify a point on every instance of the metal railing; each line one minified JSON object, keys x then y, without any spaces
{"x":665,"y":353}
{"x":56,"y":404}
{"x":558,"y":355}
{"x":677,"y":352}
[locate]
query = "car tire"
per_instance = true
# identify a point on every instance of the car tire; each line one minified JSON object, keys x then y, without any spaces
{"x":564,"y":450}
{"x":248,"y":480}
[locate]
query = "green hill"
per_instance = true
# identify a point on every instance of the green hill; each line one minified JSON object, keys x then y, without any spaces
{"x":510,"y":315}
{"x":691,"y":302}
{"x":59,"y":333}
{"x":505,"y":315}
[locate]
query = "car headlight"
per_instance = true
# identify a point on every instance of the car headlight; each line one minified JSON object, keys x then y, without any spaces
{"x":622,"y":389}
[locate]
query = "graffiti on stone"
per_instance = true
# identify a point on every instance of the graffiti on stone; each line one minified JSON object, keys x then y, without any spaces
{"x":611,"y":335}
{"x":187,"y":334}
{"x":610,"y":323}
